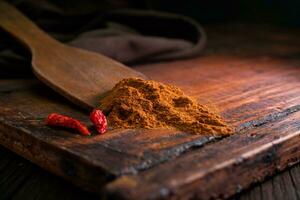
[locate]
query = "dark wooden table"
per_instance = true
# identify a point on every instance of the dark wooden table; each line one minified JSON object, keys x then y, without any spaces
{"x":20,"y":179}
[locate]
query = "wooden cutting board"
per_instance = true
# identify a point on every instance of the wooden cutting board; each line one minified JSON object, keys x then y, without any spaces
{"x":251,"y":74}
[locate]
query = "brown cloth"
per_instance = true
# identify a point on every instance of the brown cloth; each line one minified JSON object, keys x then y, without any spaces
{"x":112,"y":28}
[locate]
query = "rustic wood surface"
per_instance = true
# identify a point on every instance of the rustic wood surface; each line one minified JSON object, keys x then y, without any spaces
{"x":22,"y":180}
{"x":251,"y":74}
{"x":79,"y":75}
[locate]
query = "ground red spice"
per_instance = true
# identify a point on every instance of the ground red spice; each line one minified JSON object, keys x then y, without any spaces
{"x":137,"y":103}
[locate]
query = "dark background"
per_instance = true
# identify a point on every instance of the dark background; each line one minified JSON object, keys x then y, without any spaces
{"x":281,"y":12}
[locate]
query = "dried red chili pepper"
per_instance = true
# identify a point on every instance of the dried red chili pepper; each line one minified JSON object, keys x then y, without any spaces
{"x":99,"y":120}
{"x":55,"y":119}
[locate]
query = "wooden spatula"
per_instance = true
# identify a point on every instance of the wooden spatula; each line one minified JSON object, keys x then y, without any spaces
{"x":79,"y":75}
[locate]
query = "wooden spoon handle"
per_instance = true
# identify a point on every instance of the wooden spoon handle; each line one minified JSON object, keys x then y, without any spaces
{"x":14,"y":22}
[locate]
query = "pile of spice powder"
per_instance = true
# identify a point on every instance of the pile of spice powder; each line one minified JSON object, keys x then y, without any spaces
{"x":138,"y":103}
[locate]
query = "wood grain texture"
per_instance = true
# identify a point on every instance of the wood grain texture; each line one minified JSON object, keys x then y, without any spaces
{"x":20,"y":179}
{"x":219,"y":169}
{"x":79,"y":75}
{"x":23,"y":180}
{"x":259,"y":94}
